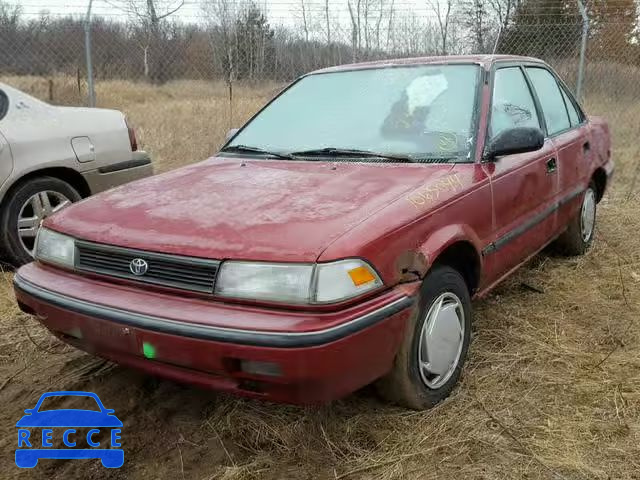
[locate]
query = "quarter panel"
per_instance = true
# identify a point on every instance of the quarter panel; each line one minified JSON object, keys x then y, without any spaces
{"x":41,"y":135}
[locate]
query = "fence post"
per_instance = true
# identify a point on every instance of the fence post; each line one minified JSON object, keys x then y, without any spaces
{"x":583,"y":49}
{"x":91,"y":94}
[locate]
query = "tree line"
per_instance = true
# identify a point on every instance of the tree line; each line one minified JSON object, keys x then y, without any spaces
{"x":235,"y":40}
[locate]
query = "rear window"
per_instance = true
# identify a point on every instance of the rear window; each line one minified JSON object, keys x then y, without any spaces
{"x":75,"y":402}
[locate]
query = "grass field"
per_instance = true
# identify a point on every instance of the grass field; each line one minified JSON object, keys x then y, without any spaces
{"x":551,"y":389}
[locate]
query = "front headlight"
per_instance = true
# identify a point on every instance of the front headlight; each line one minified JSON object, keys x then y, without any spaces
{"x":296,"y":283}
{"x":265,"y":281}
{"x":53,"y":247}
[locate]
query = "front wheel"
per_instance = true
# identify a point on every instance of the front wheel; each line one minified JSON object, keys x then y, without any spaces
{"x":436,"y":343}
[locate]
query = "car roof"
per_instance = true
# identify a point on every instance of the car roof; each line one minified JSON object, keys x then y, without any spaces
{"x":485,"y":60}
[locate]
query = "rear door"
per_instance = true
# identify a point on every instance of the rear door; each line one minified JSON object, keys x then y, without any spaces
{"x":524,"y":186}
{"x":566,"y":126}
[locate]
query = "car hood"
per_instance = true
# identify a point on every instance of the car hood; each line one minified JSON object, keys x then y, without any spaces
{"x":244,"y":209}
{"x":69,"y":418}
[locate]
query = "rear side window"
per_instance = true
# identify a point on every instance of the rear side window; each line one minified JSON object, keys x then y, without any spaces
{"x":551,"y":100}
{"x":512,"y":104}
{"x":574,"y":116}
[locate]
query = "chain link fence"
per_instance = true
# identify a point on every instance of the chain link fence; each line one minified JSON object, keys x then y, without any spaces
{"x":185,"y":72}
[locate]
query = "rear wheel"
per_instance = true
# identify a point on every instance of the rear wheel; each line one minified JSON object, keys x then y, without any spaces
{"x":578,"y":237}
{"x":24,"y":209}
{"x":436,"y":343}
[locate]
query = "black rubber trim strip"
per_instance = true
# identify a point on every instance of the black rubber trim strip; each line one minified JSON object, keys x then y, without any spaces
{"x":529,"y":224}
{"x":116,"y":167}
{"x":218,"y":334}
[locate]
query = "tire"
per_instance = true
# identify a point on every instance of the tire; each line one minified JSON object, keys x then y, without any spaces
{"x":15,"y":248}
{"x":578,"y":237}
{"x":406,"y":384}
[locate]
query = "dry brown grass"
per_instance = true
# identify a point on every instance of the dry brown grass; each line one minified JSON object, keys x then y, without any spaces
{"x":551,"y":390}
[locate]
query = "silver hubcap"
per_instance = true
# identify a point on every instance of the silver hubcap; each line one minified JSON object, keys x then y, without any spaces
{"x":37,"y":208}
{"x":441,"y":340}
{"x":588,"y":215}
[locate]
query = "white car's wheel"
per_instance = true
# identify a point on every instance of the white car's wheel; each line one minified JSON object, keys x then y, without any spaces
{"x":25,"y":208}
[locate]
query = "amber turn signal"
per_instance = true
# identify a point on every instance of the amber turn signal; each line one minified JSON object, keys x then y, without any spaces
{"x":361,"y":275}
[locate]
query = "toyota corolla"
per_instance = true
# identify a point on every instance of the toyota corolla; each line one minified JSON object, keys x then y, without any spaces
{"x":337,"y":239}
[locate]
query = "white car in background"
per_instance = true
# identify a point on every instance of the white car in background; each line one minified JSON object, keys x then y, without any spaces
{"x":53,"y":156}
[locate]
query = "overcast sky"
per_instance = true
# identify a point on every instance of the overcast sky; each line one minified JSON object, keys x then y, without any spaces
{"x":279,"y":11}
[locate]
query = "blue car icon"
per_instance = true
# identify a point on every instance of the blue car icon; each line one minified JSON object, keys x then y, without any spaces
{"x":68,"y":419}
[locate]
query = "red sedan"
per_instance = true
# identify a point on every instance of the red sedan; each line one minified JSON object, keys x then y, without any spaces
{"x":337,"y":239}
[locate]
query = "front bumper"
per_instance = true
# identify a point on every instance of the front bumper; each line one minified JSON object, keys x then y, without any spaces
{"x":317,"y":357}
{"x":117,"y":174}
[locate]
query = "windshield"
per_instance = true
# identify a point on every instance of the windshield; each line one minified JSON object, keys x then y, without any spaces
{"x":424,"y":112}
{"x":75,"y":402}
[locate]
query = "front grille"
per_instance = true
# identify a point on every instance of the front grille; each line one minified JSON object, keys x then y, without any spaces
{"x":185,"y":273}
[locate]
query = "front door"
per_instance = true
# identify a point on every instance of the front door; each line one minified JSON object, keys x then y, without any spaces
{"x":524,"y":186}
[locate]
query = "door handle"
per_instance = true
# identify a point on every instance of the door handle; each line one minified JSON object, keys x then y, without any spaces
{"x":552,"y":165}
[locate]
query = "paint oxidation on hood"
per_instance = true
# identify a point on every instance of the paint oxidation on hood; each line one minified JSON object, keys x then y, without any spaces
{"x":252,"y":209}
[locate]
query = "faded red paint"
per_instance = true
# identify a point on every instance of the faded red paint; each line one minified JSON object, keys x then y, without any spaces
{"x":298,"y":211}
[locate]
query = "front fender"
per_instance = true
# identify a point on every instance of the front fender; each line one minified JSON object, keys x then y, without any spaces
{"x":447,"y":236}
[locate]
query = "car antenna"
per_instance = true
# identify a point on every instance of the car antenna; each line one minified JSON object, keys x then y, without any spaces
{"x":495,"y":45}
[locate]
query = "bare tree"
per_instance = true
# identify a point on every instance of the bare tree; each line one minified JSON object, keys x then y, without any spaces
{"x":354,"y":15}
{"x":390,"y":33}
{"x":365,"y":17}
{"x":504,"y":10}
{"x":378,"y":23}
{"x":474,"y":16}
{"x":418,"y":36}
{"x":327,"y":20}
{"x":150,"y":17}
{"x":304,"y":14}
{"x":222,"y":16}
{"x":443,"y":15}
{"x":9,"y":15}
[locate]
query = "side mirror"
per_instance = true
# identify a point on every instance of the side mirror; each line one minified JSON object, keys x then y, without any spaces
{"x":29,"y":411}
{"x":514,"y":140}
{"x":231,"y":133}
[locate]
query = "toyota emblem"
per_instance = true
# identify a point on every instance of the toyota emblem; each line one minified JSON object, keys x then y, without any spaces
{"x":138,"y":266}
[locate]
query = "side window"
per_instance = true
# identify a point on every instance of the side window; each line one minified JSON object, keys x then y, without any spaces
{"x":555,"y":112}
{"x":574,"y":116}
{"x":512,"y":104}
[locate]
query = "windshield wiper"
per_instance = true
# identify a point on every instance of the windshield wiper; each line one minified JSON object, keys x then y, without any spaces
{"x":349,"y":152}
{"x":250,"y":149}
